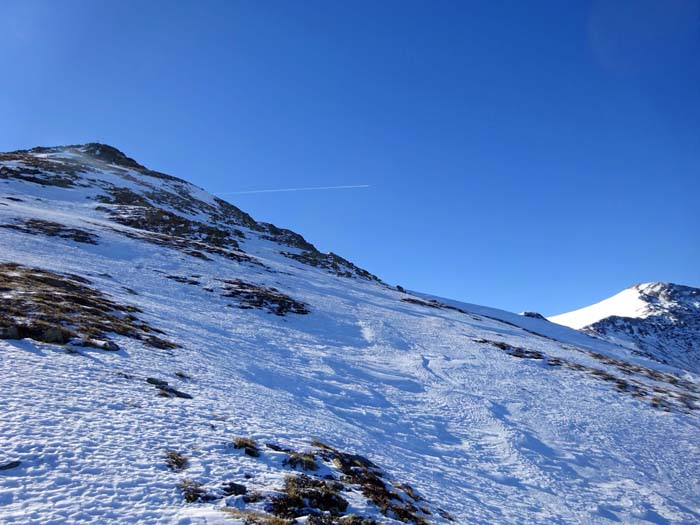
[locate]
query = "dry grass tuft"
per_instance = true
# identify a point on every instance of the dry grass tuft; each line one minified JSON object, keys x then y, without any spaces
{"x":306,"y":495}
{"x":303,"y":460}
{"x":176,"y":461}
{"x":249,"y":446}
{"x":256,"y":518}
{"x":194,"y":492}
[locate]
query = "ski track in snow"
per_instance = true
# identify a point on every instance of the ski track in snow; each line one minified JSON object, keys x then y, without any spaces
{"x":486,"y":436}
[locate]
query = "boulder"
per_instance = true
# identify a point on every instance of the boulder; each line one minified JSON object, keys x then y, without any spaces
{"x":9,"y":332}
{"x":53,"y":334}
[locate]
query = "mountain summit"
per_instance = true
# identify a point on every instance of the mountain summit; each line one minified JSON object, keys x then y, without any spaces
{"x":165,"y":358}
{"x":658,"y":320}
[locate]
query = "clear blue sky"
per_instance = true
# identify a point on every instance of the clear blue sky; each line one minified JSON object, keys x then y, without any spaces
{"x":526,"y":155}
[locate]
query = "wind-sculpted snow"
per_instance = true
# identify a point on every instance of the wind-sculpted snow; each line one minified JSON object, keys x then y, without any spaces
{"x":484,"y":416}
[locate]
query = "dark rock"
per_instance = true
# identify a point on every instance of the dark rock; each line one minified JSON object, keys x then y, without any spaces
{"x":194,"y":492}
{"x":102,"y":345}
{"x":234,"y":489}
{"x":278,"y":448}
{"x":534,"y":315}
{"x":10,"y":465}
{"x":166,"y":390}
{"x":9,"y":332}
{"x":111,"y":346}
{"x":53,"y":334}
{"x":331,"y":262}
{"x":176,"y":393}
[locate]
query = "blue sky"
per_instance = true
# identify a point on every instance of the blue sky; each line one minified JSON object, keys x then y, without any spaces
{"x":525,"y":155}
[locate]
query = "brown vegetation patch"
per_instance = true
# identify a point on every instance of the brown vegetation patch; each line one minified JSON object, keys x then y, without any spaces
{"x":55,"y":308}
{"x":304,"y":495}
{"x":331,"y":262}
{"x":319,"y":499}
{"x":348,"y":519}
{"x":631,"y":368}
{"x":123,"y":197}
{"x":358,"y":470}
{"x":666,"y":398}
{"x":157,"y":220}
{"x":52,"y":229}
{"x":194,"y":492}
{"x":163,"y":228}
{"x":42,"y":171}
{"x":253,"y":296}
{"x":256,"y":518}
{"x":176,"y":461}
{"x":303,"y":460}
{"x":249,"y":446}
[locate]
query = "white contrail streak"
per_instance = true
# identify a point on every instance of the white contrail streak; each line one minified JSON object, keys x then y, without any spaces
{"x":347,"y":187}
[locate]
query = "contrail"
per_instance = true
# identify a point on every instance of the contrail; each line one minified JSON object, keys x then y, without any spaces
{"x":347,"y":187}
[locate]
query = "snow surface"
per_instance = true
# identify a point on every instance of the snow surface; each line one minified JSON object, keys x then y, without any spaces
{"x":488,"y":437}
{"x":627,"y":303}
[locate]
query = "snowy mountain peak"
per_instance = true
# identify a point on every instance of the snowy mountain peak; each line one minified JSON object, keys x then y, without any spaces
{"x":660,"y":320}
{"x":93,"y":150}
{"x":108,"y":154}
{"x":132,"y":195}
{"x":637,"y":301}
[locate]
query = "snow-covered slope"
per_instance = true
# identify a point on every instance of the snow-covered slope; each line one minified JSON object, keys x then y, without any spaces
{"x":658,"y":320}
{"x":627,"y":303}
{"x":164,"y":358}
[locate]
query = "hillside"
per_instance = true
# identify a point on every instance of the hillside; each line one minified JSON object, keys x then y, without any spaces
{"x":165,"y":358}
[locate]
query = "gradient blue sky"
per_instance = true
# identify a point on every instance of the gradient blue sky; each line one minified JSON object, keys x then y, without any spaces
{"x":526,"y":155}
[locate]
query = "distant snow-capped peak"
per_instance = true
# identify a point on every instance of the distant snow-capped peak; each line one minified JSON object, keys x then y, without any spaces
{"x":659,"y":320}
{"x":636,"y":302}
{"x":627,"y":303}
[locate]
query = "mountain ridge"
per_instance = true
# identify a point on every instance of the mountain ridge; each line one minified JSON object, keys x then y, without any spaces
{"x":165,"y":194}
